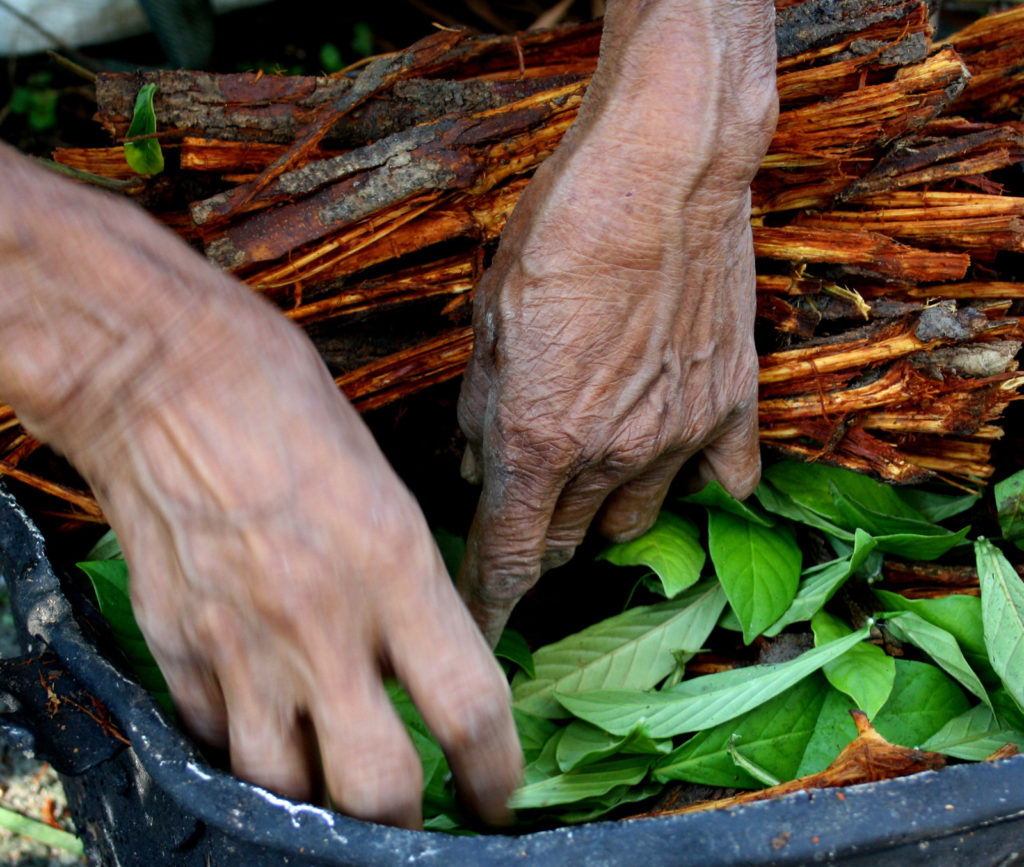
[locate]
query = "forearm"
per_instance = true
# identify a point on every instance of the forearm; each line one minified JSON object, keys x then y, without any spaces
{"x":677,"y":79}
{"x":108,"y":316}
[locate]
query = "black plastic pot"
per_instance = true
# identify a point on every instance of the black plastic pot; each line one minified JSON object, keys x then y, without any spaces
{"x":154,"y":801}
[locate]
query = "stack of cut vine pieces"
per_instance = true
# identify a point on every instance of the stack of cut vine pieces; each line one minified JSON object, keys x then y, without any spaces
{"x":609,"y":715}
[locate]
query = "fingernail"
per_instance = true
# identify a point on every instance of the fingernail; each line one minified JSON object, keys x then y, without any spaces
{"x":470,"y":469}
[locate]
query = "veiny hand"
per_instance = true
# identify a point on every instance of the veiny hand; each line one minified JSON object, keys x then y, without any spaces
{"x":278,"y":565}
{"x":614,"y":330}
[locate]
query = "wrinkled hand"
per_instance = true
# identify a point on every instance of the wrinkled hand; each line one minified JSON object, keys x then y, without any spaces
{"x":614,"y":330}
{"x":278,"y":565}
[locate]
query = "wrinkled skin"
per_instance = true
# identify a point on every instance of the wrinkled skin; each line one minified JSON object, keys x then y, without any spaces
{"x":615,"y":327}
{"x":278,"y":565}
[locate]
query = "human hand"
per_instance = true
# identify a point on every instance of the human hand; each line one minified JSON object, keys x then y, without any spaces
{"x":278,"y":565}
{"x":614,"y":329}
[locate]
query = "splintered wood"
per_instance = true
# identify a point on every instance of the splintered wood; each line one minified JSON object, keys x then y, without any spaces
{"x":885,"y":224}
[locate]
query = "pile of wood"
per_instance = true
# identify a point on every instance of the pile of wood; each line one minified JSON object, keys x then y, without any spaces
{"x":367,"y":204}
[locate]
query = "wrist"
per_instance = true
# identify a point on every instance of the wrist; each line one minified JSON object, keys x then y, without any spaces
{"x":679,"y":78}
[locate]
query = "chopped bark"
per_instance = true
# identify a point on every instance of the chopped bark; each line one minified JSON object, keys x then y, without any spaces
{"x":993,"y":49}
{"x":877,"y":218}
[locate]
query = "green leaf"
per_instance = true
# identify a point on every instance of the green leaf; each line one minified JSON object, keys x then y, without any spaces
{"x":144,"y":155}
{"x":730,"y":621}
{"x":833,"y":730}
{"x":941,"y":646}
{"x":452,"y":548}
{"x":751,"y":767}
{"x":1002,"y":613}
{"x":877,"y":523}
{"x":363,"y":41}
{"x":915,"y":547}
{"x":703,"y":702}
{"x":584,"y":744}
{"x":634,"y":649}
{"x":438,"y":791}
{"x":959,"y":615}
{"x":922,"y":701}
{"x":1007,"y":708}
{"x":820,"y":582}
{"x":778,"y":503}
{"x":587,"y":782}
{"x":759,"y":567}
{"x":973,"y":736}
{"x":513,"y":647}
{"x":593,"y":808}
{"x":534,"y":732}
{"x":714,"y":495}
{"x":545,"y":765}
{"x":109,"y":579}
{"x":106,"y":548}
{"x":671,"y":548}
{"x":865,"y":672}
{"x":772,"y":736}
{"x":813,"y":486}
{"x":1009,"y":494}
{"x":330,"y":58}
{"x":936,"y":507}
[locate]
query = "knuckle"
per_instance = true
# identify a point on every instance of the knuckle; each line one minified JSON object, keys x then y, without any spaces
{"x":475,"y":717}
{"x":504,"y":582}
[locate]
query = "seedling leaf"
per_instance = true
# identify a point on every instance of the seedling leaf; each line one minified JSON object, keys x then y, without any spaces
{"x":584,"y":744}
{"x":957,"y":614}
{"x":144,"y":155}
{"x":109,"y":579}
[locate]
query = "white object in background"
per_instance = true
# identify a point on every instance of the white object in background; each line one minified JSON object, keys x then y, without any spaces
{"x":79,"y":22}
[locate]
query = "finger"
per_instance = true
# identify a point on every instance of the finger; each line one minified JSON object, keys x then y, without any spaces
{"x":372,"y":770}
{"x":506,"y":541}
{"x":632,"y":509}
{"x":463,"y":696}
{"x":269,"y":744}
{"x":581,"y":500}
{"x":198,"y":700}
{"x":472,"y":406}
{"x":733,"y":459}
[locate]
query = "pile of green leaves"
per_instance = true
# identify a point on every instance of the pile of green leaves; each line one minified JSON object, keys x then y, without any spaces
{"x":606,"y":717}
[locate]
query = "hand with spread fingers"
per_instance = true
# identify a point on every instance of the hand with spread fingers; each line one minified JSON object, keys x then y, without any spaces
{"x":614,"y":329}
{"x":279,"y":568}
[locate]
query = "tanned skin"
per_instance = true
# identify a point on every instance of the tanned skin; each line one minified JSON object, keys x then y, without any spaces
{"x":279,"y":567}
